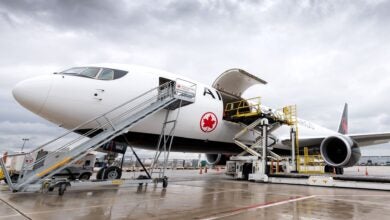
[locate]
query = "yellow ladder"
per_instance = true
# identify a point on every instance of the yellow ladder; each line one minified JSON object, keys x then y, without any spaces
{"x":291,"y":118}
{"x":290,"y":113}
{"x":306,"y":163}
{"x":311,"y":163}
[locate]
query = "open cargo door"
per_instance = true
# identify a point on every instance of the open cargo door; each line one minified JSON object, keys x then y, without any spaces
{"x":235,"y":82}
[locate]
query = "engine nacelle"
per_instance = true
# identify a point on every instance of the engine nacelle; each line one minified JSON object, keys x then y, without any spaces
{"x":340,"y":151}
{"x":216,"y":159}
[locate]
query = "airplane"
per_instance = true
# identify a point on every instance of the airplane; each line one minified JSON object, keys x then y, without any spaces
{"x":73,"y":96}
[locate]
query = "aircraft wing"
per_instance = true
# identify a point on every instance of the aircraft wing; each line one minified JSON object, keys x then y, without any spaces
{"x":306,"y":142}
{"x":363,"y":140}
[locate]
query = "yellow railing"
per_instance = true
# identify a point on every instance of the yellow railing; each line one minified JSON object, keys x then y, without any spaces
{"x":291,"y":118}
{"x":310,"y":163}
{"x":306,"y":163}
{"x":290,"y":114}
{"x":243,"y":108}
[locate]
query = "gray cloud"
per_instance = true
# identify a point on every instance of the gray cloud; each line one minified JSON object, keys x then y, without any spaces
{"x":316,"y":54}
{"x":12,"y":133}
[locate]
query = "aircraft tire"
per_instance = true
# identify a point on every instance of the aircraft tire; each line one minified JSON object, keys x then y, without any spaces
{"x":328,"y":169}
{"x":112,"y":172}
{"x":340,"y":171}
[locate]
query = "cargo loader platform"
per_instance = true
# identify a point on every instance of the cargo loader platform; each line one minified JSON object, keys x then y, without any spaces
{"x":259,"y":163}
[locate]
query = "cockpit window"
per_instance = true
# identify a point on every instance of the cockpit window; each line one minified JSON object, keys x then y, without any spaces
{"x":106,"y":74}
{"x":95,"y":73}
{"x":119,"y":74}
{"x":76,"y":70}
{"x":89,"y":72}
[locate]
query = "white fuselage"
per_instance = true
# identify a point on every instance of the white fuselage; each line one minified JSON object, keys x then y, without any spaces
{"x":68,"y":101}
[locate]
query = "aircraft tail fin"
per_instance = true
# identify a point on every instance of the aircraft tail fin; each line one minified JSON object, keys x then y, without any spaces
{"x":343,"y":127}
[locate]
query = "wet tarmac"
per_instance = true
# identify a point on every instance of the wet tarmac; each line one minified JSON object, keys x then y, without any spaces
{"x":190,"y":195}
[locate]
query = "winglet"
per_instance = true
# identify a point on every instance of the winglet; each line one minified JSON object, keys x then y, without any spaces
{"x":343,"y":127}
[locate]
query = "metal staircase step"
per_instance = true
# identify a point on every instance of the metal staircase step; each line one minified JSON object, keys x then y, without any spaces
{"x":109,"y":125}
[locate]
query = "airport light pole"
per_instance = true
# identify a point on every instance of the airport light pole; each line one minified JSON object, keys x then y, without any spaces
{"x":24,"y":142}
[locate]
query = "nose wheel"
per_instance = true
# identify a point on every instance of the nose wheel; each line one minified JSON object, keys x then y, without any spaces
{"x":110,"y":173}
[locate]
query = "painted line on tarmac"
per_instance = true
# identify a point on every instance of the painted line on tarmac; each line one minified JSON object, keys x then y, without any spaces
{"x":256,"y":207}
{"x":15,"y":209}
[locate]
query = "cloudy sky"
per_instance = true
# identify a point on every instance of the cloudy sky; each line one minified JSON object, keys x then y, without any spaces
{"x":316,"y":54}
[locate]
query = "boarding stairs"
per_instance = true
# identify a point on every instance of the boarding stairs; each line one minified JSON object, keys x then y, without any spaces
{"x":51,"y":159}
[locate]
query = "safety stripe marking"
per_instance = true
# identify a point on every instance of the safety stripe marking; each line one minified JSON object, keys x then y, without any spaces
{"x":257,"y":206}
{"x":59,"y":164}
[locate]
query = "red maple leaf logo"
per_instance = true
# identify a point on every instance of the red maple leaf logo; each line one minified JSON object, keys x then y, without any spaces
{"x":344,"y":126}
{"x":208,"y":122}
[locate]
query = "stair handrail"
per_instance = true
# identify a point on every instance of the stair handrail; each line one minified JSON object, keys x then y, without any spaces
{"x":79,"y":138}
{"x":85,"y":135}
{"x":95,"y":118}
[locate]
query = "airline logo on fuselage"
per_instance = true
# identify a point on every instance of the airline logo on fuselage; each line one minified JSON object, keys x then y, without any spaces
{"x":208,"y":122}
{"x":208,"y":92}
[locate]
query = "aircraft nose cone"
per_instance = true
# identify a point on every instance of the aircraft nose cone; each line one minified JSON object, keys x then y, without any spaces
{"x":32,"y":93}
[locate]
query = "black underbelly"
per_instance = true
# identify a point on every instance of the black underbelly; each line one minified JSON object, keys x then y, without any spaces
{"x":181,"y":144}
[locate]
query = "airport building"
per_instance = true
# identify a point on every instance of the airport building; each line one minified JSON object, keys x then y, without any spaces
{"x":374,"y":161}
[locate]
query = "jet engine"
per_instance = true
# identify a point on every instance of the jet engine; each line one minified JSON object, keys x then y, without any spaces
{"x":340,"y":151}
{"x":216,"y":159}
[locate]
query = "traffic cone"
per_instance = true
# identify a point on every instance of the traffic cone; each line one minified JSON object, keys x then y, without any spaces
{"x":201,"y":170}
{"x":366,"y":172}
{"x":205,"y":169}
